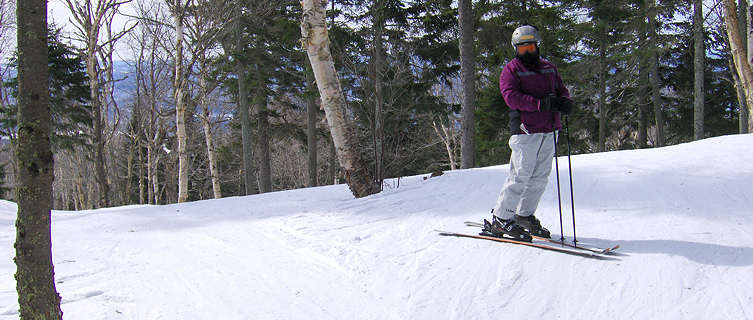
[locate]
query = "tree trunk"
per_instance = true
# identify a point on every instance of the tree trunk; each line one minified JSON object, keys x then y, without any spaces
{"x":265,"y":170}
{"x":603,"y":112}
{"x":446,"y":136}
{"x":180,"y":105}
{"x":243,"y":109}
{"x":643,"y":108}
{"x":142,"y":186}
{"x":248,"y":155}
{"x":92,"y":67}
{"x":155,"y":181}
{"x":378,"y":66}
{"x":738,"y":53}
{"x":745,"y":23}
{"x":334,"y":166}
{"x":468,"y":79}
{"x":208,"y":137}
{"x":654,"y":74}
{"x":316,"y":41}
{"x":698,"y":65}
{"x":311,"y":112}
{"x":740,"y":94}
{"x":149,"y":173}
{"x":129,"y":173}
{"x":35,"y":277}
{"x":90,"y":21}
{"x":80,"y":190}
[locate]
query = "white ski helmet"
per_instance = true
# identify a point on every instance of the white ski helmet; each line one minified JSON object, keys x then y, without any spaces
{"x":525,"y":34}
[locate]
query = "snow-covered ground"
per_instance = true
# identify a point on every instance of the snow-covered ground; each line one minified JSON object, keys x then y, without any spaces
{"x":683,"y":216}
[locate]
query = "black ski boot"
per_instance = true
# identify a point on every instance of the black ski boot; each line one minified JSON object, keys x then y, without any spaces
{"x":505,"y":229}
{"x":533,"y":226}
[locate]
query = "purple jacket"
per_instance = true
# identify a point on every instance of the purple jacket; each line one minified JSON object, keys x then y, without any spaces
{"x":522,"y":88}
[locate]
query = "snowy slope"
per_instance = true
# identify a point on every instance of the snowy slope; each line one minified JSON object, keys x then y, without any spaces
{"x":683,"y":216}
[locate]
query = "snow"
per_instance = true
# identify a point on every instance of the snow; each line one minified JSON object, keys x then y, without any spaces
{"x":683,"y":216}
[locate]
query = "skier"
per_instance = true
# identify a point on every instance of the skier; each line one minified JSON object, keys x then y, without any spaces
{"x":536,"y":96}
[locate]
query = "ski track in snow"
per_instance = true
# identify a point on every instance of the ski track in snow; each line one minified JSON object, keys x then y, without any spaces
{"x":681,"y":214}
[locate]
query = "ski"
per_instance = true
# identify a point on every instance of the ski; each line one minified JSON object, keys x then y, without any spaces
{"x":550,"y":240}
{"x":565,"y":250}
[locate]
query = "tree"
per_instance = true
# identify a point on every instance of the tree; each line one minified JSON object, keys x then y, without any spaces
{"x":7,"y":29}
{"x":742,"y":64}
{"x":178,"y":10}
{"x":378,"y":65}
{"x":653,"y":75}
{"x":312,"y":113}
{"x":234,"y":44}
{"x":89,"y":20}
{"x":420,"y":50}
{"x":316,"y":41}
{"x":152,"y":68}
{"x":205,"y":28}
{"x":69,"y":96}
{"x":468,"y":79}
{"x":643,"y":100}
{"x":35,"y":276}
{"x":744,"y":16}
{"x":71,"y":113}
{"x":698,"y":65}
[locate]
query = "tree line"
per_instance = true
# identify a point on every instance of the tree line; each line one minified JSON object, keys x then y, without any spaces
{"x":198,"y":99}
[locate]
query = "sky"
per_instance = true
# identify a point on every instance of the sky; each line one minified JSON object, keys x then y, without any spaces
{"x":59,"y":13}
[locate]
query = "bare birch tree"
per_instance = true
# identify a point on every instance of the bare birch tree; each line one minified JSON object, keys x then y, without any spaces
{"x":89,"y":18}
{"x":178,"y":10}
{"x":316,"y":42}
{"x":205,"y":28}
{"x":153,"y":78}
{"x":742,"y":65}
{"x":446,"y":128}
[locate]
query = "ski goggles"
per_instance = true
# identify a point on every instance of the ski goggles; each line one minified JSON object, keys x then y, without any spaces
{"x":524,"y":48}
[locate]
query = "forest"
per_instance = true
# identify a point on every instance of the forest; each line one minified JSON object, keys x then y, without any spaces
{"x":200,"y":99}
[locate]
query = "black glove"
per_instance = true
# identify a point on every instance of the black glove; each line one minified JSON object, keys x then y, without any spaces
{"x":549,"y":103}
{"x":565,"y":105}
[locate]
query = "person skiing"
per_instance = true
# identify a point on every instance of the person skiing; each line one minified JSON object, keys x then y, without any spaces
{"x":536,"y":96}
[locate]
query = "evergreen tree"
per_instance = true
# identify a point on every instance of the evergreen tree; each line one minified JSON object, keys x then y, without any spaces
{"x":69,"y":96}
{"x":420,"y":51}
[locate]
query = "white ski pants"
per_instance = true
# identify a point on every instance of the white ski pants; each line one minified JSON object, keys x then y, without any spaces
{"x":530,"y":166}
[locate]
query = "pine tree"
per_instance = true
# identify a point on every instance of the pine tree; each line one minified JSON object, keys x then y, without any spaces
{"x":69,"y":96}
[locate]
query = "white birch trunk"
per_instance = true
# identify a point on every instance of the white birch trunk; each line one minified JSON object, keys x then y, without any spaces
{"x":207,"y":124}
{"x":738,"y":54}
{"x":180,"y":104}
{"x":316,"y":41}
{"x":447,"y":139}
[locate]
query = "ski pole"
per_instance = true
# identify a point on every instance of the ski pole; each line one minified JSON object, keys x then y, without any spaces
{"x":570,"y":170}
{"x":557,"y":171}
